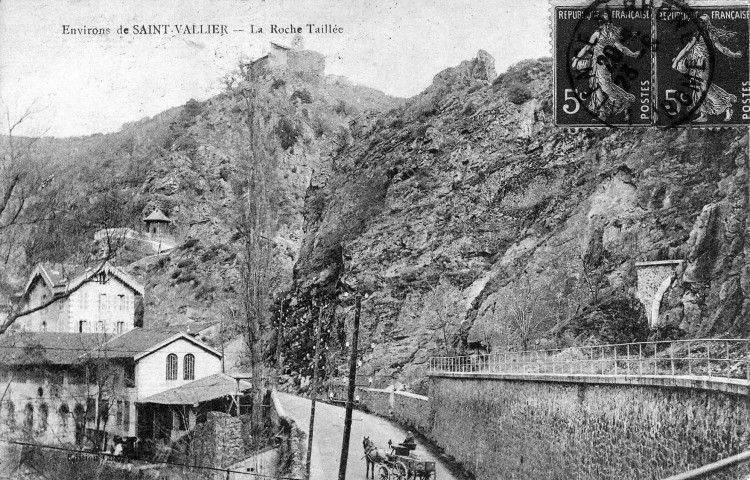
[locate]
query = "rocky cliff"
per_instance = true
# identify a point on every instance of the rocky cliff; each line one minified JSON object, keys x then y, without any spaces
{"x":467,"y":205}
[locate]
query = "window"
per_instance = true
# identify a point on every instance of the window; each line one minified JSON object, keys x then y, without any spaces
{"x":44,"y":326}
{"x":100,"y":326}
{"x":43,"y":417}
{"x":129,"y":376}
{"x":82,"y":326}
{"x":126,"y":414}
{"x":119,"y":413}
{"x":121,"y":300}
{"x":120,"y":327}
{"x":189,"y":367}
{"x":171,"y":366}
{"x":28,"y":421}
{"x":103,"y":305}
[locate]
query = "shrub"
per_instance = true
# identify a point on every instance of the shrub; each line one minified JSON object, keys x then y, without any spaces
{"x":303,"y":95}
{"x":469,"y":109}
{"x":187,"y":264}
{"x":341,"y":108}
{"x":519,"y":93}
{"x":278,"y":83}
{"x":190,"y":243}
{"x":287,"y":132}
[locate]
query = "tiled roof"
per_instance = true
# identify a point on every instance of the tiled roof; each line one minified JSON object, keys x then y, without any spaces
{"x":157,"y":216}
{"x":47,"y":347}
{"x":202,"y":390}
{"x":134,"y":342}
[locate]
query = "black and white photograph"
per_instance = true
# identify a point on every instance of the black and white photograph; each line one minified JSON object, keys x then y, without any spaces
{"x":375,"y":239}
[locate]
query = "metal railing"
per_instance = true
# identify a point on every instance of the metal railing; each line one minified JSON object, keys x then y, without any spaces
{"x":734,"y":468}
{"x":722,"y":358}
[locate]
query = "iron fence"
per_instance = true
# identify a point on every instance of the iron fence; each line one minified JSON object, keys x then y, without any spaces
{"x":722,"y":358}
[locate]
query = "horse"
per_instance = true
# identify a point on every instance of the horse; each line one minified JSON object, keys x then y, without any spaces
{"x":373,"y":456}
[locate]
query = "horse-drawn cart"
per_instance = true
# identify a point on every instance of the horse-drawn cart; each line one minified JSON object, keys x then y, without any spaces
{"x":402,"y":464}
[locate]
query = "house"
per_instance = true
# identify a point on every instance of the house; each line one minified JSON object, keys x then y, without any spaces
{"x":71,"y":388}
{"x":83,"y":300}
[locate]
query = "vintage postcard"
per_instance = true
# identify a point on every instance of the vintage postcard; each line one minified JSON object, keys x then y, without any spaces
{"x":423,"y":240}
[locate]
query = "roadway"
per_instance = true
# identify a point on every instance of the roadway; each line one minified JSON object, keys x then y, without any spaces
{"x":329,"y":432}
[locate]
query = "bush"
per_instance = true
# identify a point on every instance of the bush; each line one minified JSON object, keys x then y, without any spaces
{"x":303,"y":95}
{"x":278,"y":83}
{"x":190,"y":243}
{"x":341,"y":108}
{"x":519,"y":93}
{"x":287,"y":132}
{"x":188,"y":264}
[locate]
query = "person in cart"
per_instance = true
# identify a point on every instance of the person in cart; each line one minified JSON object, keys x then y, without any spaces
{"x":409,"y":443}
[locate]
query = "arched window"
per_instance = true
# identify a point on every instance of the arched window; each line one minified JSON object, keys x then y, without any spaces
{"x":171,"y":366}
{"x":28,"y":421}
{"x":189,"y":367}
{"x":43,"y":417}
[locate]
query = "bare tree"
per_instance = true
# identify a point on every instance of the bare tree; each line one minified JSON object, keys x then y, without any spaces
{"x":528,"y":309}
{"x":256,"y":223}
{"x":441,"y":310}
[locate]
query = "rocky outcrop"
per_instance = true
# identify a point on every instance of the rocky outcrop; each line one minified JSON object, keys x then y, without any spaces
{"x":466,"y":195}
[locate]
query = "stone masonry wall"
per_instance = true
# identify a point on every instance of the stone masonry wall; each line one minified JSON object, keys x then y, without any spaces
{"x":522,"y":429}
{"x":412,"y":410}
{"x":219,"y":441}
{"x":293,"y":441}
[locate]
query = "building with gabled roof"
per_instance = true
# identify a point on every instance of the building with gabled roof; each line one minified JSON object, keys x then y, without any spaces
{"x":75,"y":387}
{"x":72,"y":298}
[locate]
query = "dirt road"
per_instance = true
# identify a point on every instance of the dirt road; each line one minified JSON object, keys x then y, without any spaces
{"x":328,"y":437}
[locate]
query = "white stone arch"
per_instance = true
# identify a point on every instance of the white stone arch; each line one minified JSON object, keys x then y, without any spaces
{"x":654,"y":279}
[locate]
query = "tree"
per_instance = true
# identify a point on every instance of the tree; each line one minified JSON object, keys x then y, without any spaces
{"x":441,"y":310}
{"x":527,"y":309}
{"x":255,"y":222}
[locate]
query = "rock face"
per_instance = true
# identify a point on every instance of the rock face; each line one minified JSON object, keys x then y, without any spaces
{"x":467,"y":193}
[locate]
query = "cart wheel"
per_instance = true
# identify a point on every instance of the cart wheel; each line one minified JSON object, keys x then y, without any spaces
{"x":384,"y":473}
{"x":399,"y":469}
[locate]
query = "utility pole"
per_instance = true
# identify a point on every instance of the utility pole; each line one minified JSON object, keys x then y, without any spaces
{"x":314,"y":388}
{"x":350,"y":393}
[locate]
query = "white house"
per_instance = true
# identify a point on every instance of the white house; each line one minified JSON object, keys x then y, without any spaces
{"x":69,"y":387}
{"x":86,"y":300}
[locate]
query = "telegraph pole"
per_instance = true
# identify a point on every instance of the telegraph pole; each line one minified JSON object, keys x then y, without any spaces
{"x":314,"y":387}
{"x":350,"y":393}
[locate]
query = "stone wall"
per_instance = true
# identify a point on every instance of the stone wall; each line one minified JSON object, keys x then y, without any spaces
{"x":219,"y":441}
{"x":412,"y":410}
{"x":524,"y":429}
{"x":293,"y":441}
{"x":409,"y":409}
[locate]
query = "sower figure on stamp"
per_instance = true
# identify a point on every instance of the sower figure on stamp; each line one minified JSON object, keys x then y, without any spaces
{"x":693,"y":61}
{"x":607,"y":99}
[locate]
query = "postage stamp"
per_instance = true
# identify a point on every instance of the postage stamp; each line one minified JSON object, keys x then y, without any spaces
{"x":702,"y":72}
{"x":637,"y":63}
{"x":603,"y":62}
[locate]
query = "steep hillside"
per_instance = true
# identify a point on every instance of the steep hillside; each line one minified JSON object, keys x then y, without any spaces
{"x":467,"y":202}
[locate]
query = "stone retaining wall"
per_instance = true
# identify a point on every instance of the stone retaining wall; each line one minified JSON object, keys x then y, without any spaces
{"x":508,"y":428}
{"x":293,"y":441}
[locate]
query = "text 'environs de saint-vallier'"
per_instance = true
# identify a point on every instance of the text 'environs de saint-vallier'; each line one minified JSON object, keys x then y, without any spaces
{"x":203,"y":29}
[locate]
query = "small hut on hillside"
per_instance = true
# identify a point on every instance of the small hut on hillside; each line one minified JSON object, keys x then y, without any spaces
{"x":158,"y":223}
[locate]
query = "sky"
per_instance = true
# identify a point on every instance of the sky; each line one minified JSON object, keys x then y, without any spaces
{"x":79,"y":84}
